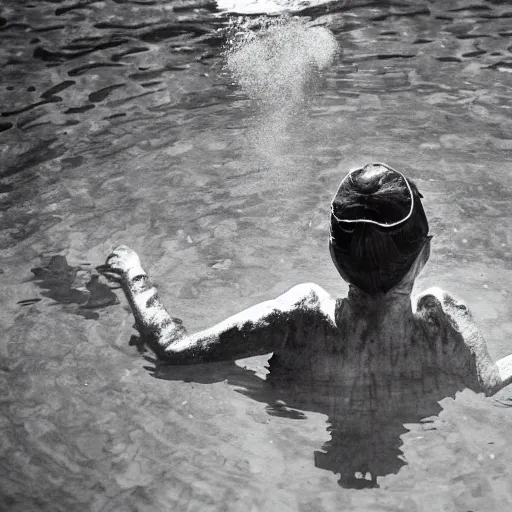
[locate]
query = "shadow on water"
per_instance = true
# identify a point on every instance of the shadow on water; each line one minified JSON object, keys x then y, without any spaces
{"x":69,"y":285}
{"x":365,"y":422}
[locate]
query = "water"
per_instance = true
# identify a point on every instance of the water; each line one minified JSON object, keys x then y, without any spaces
{"x":120,"y":125}
{"x":278,"y":64}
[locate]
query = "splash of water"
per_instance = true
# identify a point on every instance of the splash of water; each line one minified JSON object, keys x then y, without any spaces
{"x":278,"y":64}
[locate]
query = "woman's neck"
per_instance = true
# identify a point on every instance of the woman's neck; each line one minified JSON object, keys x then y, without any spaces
{"x":396,"y":299}
{"x":385,"y":314}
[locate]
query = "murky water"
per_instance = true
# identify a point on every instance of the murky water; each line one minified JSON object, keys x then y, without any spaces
{"x":120,"y":125}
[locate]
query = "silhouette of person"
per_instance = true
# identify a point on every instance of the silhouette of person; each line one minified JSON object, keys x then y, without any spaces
{"x":371,"y":361}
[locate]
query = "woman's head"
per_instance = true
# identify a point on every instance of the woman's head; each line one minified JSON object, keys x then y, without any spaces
{"x":378,"y":228}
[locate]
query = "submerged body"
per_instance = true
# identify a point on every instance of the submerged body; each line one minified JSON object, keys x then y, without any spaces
{"x":371,"y":362}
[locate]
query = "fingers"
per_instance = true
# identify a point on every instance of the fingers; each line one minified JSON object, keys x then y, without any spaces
{"x":115,"y":278}
{"x":112,"y":259}
{"x":112,"y":274}
{"x":119,"y":252}
{"x":124,"y":256}
{"x":102,"y":269}
{"x":122,"y":248}
{"x":119,"y":264}
{"x":119,"y":257}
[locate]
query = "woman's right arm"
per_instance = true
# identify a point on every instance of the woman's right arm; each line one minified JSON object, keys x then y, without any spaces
{"x":258,"y":330}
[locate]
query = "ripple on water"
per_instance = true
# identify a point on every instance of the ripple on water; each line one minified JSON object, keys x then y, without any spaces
{"x":162,"y":165}
{"x":5,"y":126}
{"x":101,"y":94}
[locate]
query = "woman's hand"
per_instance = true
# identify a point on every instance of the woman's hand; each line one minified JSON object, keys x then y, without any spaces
{"x":122,"y":265}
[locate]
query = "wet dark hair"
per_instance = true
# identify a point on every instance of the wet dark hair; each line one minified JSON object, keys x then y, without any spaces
{"x":378,"y":228}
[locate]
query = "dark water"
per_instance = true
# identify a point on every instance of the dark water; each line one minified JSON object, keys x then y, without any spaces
{"x":119,"y":125}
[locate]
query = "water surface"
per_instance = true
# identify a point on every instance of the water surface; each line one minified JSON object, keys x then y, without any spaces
{"x":120,"y":125}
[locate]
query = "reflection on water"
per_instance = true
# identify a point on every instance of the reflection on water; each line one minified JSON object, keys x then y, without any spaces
{"x":366,"y":442}
{"x":74,"y":285}
{"x":365,"y":423}
{"x":278,"y":63}
{"x":119,"y":125}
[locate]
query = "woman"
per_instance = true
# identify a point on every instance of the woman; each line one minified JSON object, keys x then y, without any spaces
{"x":375,"y":337}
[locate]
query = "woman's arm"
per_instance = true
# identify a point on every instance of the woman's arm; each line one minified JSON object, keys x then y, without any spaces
{"x":465,"y":333}
{"x":258,"y":330}
{"x":505,"y":370}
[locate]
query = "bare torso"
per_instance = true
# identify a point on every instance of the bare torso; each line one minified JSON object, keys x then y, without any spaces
{"x":373,"y":368}
{"x":352,"y":342}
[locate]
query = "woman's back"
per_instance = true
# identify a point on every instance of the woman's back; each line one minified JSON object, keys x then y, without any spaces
{"x":372,"y":369}
{"x":372,"y":362}
{"x":374,"y":350}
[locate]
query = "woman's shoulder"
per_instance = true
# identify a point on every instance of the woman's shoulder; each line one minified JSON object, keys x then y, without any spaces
{"x":448,"y":321}
{"x":437,"y":304}
{"x":441,"y":312}
{"x":309,"y":297}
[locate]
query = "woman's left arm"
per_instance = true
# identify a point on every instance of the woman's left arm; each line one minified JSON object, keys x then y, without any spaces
{"x":464,"y":333}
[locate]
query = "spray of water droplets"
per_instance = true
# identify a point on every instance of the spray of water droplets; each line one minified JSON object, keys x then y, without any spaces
{"x":278,"y":64}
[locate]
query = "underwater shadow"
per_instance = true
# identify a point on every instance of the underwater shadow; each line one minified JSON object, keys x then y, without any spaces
{"x":78,"y":287}
{"x":366,"y":423}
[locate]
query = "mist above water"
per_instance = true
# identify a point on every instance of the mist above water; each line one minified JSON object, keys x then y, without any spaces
{"x":278,"y":64}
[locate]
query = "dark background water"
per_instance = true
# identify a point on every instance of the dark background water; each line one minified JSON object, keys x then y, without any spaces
{"x":119,"y":125}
